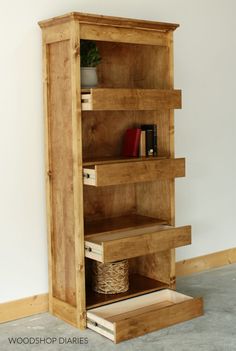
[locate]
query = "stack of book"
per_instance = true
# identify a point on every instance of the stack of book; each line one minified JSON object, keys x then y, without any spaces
{"x":140,"y":141}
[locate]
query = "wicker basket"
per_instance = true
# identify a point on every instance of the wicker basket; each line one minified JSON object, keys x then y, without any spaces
{"x":110,"y":278}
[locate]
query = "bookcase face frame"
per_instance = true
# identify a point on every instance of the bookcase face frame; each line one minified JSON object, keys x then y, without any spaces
{"x":135,"y":55}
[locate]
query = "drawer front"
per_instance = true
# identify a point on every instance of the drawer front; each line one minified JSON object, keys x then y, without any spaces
{"x":156,"y":319}
{"x":130,"y":99}
{"x":134,"y":172}
{"x":110,"y":247}
{"x":140,"y":315}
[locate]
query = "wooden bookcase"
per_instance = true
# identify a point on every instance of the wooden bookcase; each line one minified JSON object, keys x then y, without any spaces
{"x":100,"y":206}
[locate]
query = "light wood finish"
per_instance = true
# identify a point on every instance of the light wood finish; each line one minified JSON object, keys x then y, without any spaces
{"x":64,"y":168}
{"x":133,"y":200}
{"x":119,"y":159}
{"x":171,"y":148}
{"x":158,"y":198}
{"x":77,"y":177}
{"x":126,"y":319}
{"x":138,"y":285}
{"x":115,"y":246}
{"x":119,"y":224}
{"x":61,"y":173}
{"x":38,"y":304}
{"x":130,"y":99}
{"x":124,"y":35}
{"x":110,"y":21}
{"x":133,"y":71}
{"x":206,"y":262}
{"x":134,"y":172}
{"x":28,"y":306}
{"x":106,"y":202}
{"x":65,"y":311}
{"x":47,"y":153}
{"x":57,"y":33}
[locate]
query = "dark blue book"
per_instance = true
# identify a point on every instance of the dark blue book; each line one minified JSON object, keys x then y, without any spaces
{"x":151,"y":139}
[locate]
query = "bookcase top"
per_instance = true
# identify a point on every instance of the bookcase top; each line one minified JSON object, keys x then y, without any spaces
{"x":109,"y":21}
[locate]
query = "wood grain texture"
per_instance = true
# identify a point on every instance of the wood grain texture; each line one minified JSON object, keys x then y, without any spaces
{"x":135,"y":172}
{"x":64,"y":167}
{"x":133,"y":70}
{"x":56,"y":33}
{"x":47,"y":155}
{"x":154,"y":266}
{"x":157,"y":318}
{"x":65,"y":311}
{"x":110,"y":201}
{"x":146,"y":313}
{"x":118,"y":224}
{"x":132,"y":99}
{"x":109,"y":20}
{"x":158,"y":198}
{"x":138,"y":242}
{"x":206,"y":262}
{"x":61,"y":159}
{"x":28,"y":306}
{"x":79,"y":268}
{"x":119,"y":159}
{"x":140,"y":61}
{"x":171,"y":147}
{"x":134,"y":245}
{"x":123,"y":35}
{"x":100,"y":136}
{"x":38,"y":304}
{"x":138,"y":285}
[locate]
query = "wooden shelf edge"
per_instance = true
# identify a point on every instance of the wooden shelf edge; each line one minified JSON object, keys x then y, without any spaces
{"x":119,"y":223}
{"x":119,"y":159}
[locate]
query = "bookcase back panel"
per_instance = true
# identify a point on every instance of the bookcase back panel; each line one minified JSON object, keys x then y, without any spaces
{"x":157,"y":266}
{"x":60,"y":166}
{"x":103,"y":131}
{"x":133,"y":66}
{"x":154,"y":199}
{"x":109,"y":201}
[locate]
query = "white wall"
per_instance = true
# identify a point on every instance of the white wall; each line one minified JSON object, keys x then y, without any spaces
{"x":205,"y":57}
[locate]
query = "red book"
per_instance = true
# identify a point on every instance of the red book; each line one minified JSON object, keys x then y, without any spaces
{"x":131,"y":142}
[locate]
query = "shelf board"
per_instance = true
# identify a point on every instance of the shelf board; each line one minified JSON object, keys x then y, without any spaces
{"x":112,"y":99}
{"x":118,"y":159}
{"x":121,"y":223}
{"x":139,"y":285}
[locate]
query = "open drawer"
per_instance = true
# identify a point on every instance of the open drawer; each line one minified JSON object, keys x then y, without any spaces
{"x":121,"y":244}
{"x":104,"y":174}
{"x":111,"y":99}
{"x":134,"y":317}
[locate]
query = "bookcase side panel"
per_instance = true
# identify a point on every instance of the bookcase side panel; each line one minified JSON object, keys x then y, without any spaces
{"x":61,"y":171}
{"x":63,"y":148}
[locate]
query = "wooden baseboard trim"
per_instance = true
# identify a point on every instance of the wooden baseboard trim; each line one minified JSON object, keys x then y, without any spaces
{"x":28,"y":306}
{"x":203,"y":263}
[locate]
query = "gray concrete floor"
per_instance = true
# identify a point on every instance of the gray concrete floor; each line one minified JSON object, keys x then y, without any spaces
{"x":214,"y":331}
